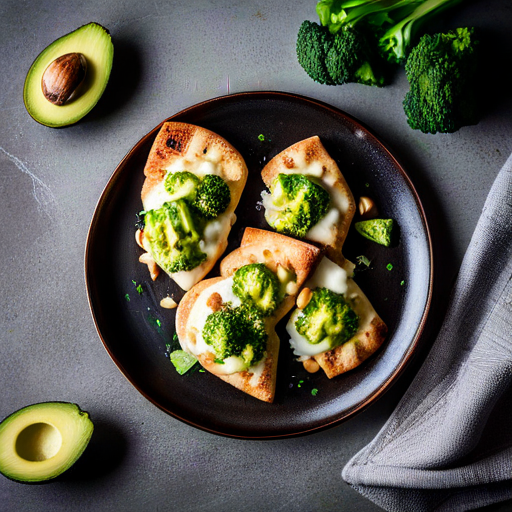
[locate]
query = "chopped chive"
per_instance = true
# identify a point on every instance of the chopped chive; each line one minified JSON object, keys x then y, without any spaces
{"x":389,"y":266}
{"x":127,"y":297}
{"x":261,"y":137}
{"x":314,"y":391}
{"x":402,"y":283}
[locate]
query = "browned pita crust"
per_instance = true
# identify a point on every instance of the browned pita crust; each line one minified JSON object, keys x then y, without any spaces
{"x":177,"y":141}
{"x":308,"y":151}
{"x":272,"y":249}
{"x":368,"y":339}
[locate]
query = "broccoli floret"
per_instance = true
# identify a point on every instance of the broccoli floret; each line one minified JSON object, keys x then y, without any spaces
{"x":350,"y":59}
{"x":441,"y":71}
{"x":297,"y":204}
{"x":173,"y":233}
{"x":356,"y":38}
{"x":181,"y":185}
{"x":327,"y":316}
{"x":377,"y":230}
{"x":236,"y":331}
{"x":212,"y":196}
{"x":256,"y":284}
{"x":313,"y":45}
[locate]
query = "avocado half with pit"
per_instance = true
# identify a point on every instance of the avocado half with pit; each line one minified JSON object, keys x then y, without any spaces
{"x":93,"y":44}
{"x":41,"y":441}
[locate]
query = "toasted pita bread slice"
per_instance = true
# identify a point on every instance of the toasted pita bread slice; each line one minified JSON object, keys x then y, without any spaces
{"x":371,"y":331}
{"x":186,"y":147}
{"x":310,"y":158}
{"x":292,"y":260}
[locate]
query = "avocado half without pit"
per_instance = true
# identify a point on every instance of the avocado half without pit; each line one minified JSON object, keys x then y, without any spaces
{"x":69,"y":76}
{"x":41,"y":441}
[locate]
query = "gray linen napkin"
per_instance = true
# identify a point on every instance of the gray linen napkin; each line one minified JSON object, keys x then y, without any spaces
{"x":448,"y":444}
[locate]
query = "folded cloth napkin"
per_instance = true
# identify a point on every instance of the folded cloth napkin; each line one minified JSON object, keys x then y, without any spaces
{"x":448,"y":444}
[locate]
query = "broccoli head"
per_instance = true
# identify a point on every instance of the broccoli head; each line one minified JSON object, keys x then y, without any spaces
{"x":313,"y":45}
{"x":298,"y":203}
{"x":181,"y":185}
{"x":212,"y":196}
{"x":256,"y":284}
{"x":327,"y":316}
{"x":173,"y":233}
{"x":441,"y":71}
{"x":351,"y":59}
{"x":236,"y":331}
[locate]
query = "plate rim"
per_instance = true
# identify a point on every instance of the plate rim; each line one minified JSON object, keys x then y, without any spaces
{"x":415,"y":341}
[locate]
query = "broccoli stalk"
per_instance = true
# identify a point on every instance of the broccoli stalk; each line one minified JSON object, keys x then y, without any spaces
{"x":395,"y":43}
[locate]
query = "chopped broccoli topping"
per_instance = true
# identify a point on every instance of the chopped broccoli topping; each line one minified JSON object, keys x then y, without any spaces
{"x":258,"y":285}
{"x":377,"y":230}
{"x":173,"y":233}
{"x":441,"y":71}
{"x":212,"y":196}
{"x":181,"y":185}
{"x":299,"y":204}
{"x":236,"y":331}
{"x":327,"y":317}
{"x":182,"y":361}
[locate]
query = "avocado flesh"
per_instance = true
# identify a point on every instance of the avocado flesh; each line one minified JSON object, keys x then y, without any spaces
{"x":41,"y":441}
{"x":94,"y":42}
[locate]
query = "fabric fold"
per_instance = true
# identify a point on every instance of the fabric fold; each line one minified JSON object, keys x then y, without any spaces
{"x":449,"y":441}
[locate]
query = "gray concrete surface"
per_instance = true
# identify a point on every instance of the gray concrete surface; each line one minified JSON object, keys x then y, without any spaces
{"x":170,"y":55}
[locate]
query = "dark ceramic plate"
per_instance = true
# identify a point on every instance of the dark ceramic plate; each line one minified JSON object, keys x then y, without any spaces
{"x":136,"y":332}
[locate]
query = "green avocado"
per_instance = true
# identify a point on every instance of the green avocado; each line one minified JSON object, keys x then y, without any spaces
{"x":377,"y":230}
{"x":93,"y":42}
{"x":41,"y":441}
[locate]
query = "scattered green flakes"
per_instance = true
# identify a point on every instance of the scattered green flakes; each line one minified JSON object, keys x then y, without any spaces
{"x":402,"y":283}
{"x":389,"y":266}
{"x":139,"y":289}
{"x":363,"y":261}
{"x":261,"y":137}
{"x":367,"y":185}
{"x":201,"y":370}
{"x":182,"y":361}
{"x":314,"y":391}
{"x":158,"y":323}
{"x":300,"y":383}
{"x":127,"y":297}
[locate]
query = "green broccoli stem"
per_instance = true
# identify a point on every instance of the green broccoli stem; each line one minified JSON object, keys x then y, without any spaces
{"x":396,"y":41}
{"x":348,"y":13}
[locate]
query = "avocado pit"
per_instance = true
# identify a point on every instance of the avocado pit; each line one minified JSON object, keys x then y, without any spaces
{"x":38,"y":442}
{"x":63,"y":76}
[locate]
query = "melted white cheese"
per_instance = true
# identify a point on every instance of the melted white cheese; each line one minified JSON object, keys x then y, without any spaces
{"x":331,"y":276}
{"x":216,"y":230}
{"x":323,"y":231}
{"x":197,"y":319}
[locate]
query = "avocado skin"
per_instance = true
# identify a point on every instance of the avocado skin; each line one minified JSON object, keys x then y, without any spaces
{"x":89,"y":93}
{"x":50,"y":477}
